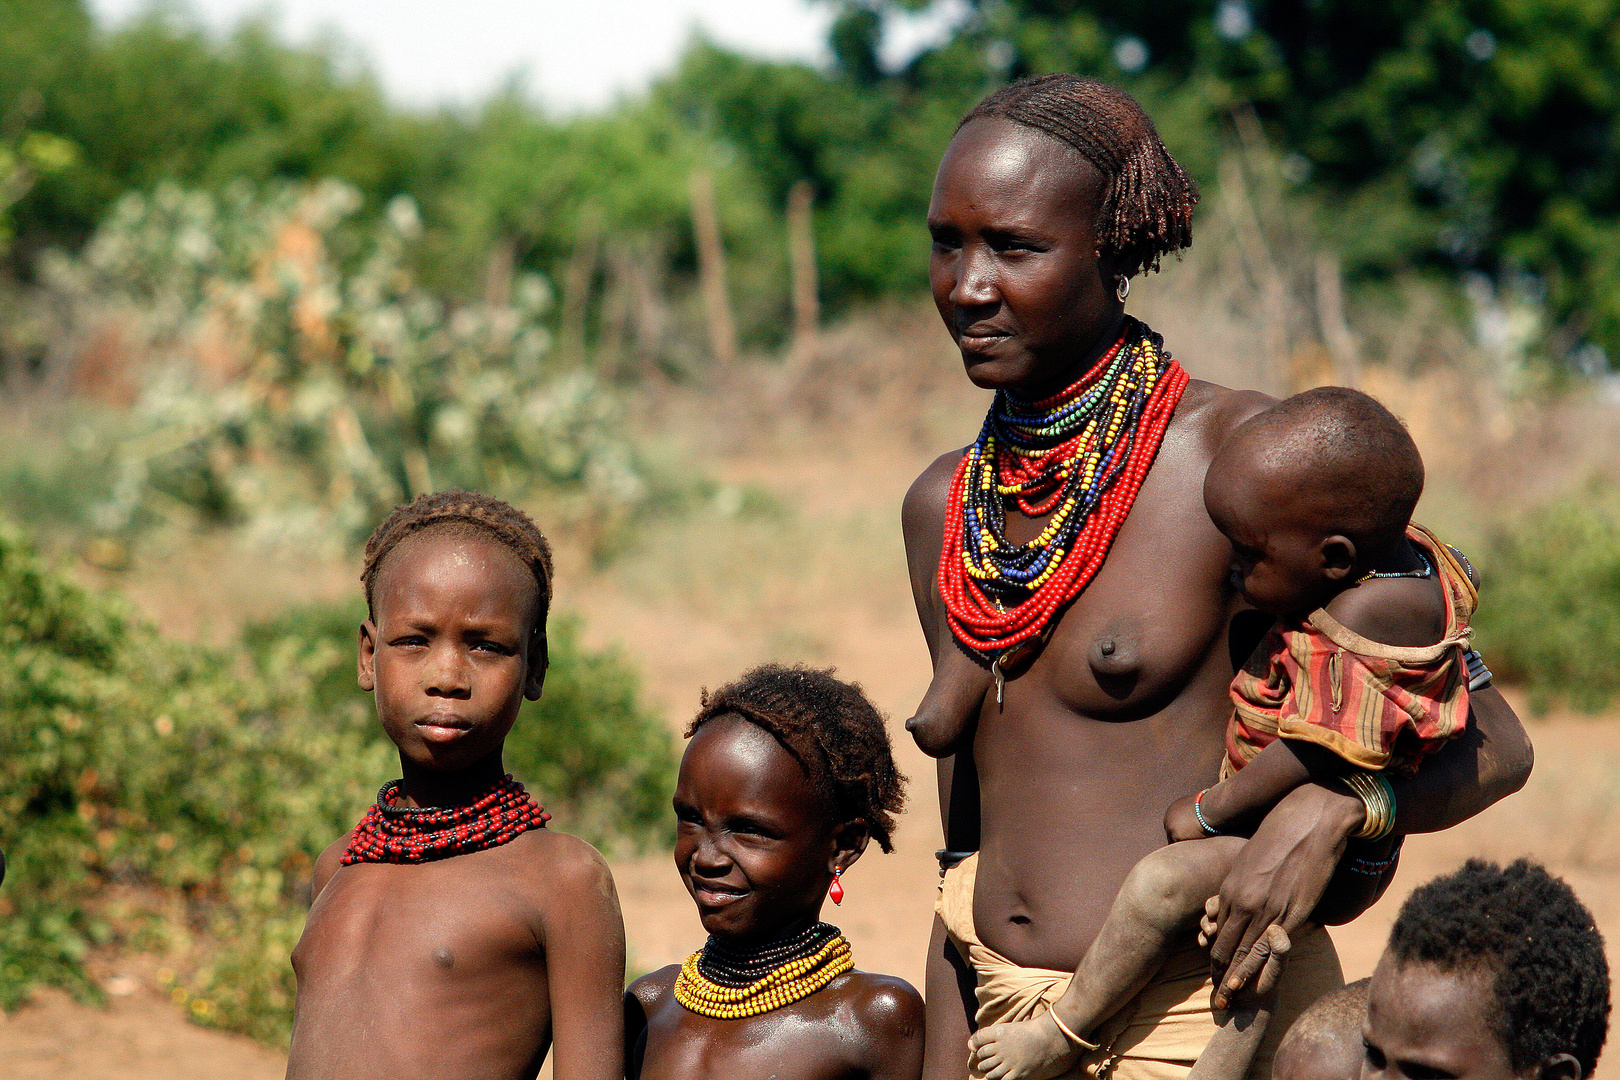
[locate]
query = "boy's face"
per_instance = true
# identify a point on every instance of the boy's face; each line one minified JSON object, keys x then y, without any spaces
{"x":1427,"y":1024}
{"x":451,"y":653}
{"x":1278,"y":562}
{"x":755,"y":844}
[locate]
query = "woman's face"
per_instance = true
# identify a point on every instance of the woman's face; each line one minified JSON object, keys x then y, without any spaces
{"x":1015,"y":270}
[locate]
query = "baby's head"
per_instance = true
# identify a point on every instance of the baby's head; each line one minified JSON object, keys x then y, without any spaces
{"x":1324,"y":1043}
{"x":1490,"y":974}
{"x":457,"y":589}
{"x":787,"y":776}
{"x":1311,"y":493}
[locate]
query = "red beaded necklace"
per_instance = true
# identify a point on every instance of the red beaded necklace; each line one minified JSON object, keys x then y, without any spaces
{"x":1080,"y":455}
{"x":413,"y":834}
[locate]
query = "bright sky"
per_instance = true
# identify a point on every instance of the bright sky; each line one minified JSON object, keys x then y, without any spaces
{"x":574,"y":54}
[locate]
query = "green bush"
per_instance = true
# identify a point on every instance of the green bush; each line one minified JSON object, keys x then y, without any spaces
{"x":1549,"y":616}
{"x":159,"y":796}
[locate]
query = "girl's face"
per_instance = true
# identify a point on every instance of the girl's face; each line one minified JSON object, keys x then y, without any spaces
{"x":756,"y":843}
{"x":1015,"y":270}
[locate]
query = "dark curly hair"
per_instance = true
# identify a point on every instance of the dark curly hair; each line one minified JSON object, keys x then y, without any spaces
{"x":467,"y":512}
{"x":1526,"y":928}
{"x":832,"y":730}
{"x":1147,"y":206}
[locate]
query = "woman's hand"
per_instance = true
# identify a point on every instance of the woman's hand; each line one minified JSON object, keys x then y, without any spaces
{"x":1181,"y":822}
{"x":1280,"y":874}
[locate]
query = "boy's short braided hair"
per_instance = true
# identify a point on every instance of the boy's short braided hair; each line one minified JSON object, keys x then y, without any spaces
{"x":1526,"y":928}
{"x":1147,"y":205}
{"x":470,"y":512}
{"x":830,"y":727}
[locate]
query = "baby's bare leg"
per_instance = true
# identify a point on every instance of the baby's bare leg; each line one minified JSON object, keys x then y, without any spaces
{"x":953,"y":699}
{"x":1160,"y":901}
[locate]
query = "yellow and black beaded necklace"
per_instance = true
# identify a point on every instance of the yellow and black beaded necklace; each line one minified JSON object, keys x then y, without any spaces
{"x":728,"y":983}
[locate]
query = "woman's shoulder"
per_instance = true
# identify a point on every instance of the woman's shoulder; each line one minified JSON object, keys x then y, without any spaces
{"x":650,"y":988}
{"x":1209,"y":412}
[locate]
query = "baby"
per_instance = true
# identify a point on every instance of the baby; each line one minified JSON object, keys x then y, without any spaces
{"x":1364,"y":672}
{"x":451,"y":934}
{"x":787,"y":777}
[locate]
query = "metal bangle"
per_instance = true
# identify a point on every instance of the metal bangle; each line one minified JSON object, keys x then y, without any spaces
{"x":1067,"y":1034}
{"x":1479,"y":676}
{"x":1378,"y":796}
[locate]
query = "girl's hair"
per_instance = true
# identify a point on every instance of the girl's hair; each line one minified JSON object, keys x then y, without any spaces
{"x":1147,"y":205}
{"x":830,"y":728}
{"x":467,"y":512}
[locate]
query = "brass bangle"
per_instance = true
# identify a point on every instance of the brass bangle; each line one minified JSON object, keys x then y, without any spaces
{"x":1377,"y":795}
{"x":1067,"y":1034}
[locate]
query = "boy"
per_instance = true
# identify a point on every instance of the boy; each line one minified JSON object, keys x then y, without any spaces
{"x":452,"y":935}
{"x":787,"y":776}
{"x":1490,"y":974}
{"x":1365,"y":671}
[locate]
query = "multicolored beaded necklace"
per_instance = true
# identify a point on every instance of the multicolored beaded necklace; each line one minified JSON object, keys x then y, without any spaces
{"x":726,"y":983}
{"x":413,"y":834}
{"x":1080,"y":456}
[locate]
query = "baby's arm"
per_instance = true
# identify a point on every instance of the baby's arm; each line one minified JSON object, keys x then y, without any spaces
{"x":951,"y":703}
{"x":1238,"y":803}
{"x":584,"y":947}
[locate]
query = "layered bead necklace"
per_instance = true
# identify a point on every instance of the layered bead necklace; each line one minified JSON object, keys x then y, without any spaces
{"x":1079,"y":456}
{"x":728,"y":983}
{"x":413,"y":834}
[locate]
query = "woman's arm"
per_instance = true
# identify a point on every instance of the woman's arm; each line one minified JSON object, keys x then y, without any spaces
{"x":1282,"y":871}
{"x":948,"y":994}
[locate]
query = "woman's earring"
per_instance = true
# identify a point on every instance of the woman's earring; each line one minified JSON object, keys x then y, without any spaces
{"x":836,"y":892}
{"x":1122,"y":287}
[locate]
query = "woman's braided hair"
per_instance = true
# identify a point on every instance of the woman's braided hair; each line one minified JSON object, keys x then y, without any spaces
{"x":467,"y":512}
{"x":1147,"y":206}
{"x":832,"y":730}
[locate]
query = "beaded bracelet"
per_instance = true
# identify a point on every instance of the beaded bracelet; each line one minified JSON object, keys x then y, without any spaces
{"x":1378,"y":796}
{"x":1375,"y":867}
{"x":1198,"y":812}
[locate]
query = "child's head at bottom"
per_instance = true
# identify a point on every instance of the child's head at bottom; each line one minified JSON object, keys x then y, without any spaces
{"x":1324,"y":1043}
{"x":1490,"y":973}
{"x":1313,"y":492}
{"x":787,"y":776}
{"x":457,"y":589}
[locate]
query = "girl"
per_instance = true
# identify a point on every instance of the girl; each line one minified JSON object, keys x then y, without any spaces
{"x":787,"y":776}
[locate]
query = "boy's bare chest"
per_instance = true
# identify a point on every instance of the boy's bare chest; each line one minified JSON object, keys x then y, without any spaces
{"x":432,"y":924}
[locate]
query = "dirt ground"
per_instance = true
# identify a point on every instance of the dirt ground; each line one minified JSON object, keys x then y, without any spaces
{"x":820,"y":578}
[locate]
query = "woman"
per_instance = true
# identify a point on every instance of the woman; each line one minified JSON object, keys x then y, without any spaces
{"x":1104,"y":602}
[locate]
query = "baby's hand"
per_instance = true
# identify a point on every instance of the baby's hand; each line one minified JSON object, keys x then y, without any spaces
{"x":1181,"y":823}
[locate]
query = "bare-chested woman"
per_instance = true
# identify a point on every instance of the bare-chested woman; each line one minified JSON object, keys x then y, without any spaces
{"x":1051,"y":196}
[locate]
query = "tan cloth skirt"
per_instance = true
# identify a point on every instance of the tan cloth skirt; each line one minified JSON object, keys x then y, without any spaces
{"x":1161,"y":1032}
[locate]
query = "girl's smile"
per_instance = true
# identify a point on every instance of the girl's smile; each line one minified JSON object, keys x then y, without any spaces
{"x":757,"y":842}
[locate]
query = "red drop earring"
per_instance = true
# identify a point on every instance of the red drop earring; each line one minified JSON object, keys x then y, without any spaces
{"x":835,"y":892}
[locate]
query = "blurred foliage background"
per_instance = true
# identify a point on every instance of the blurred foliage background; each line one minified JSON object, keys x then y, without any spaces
{"x":243,"y":293}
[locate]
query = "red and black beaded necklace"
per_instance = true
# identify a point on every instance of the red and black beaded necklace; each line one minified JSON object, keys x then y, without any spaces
{"x":1079,"y":455}
{"x":413,"y":834}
